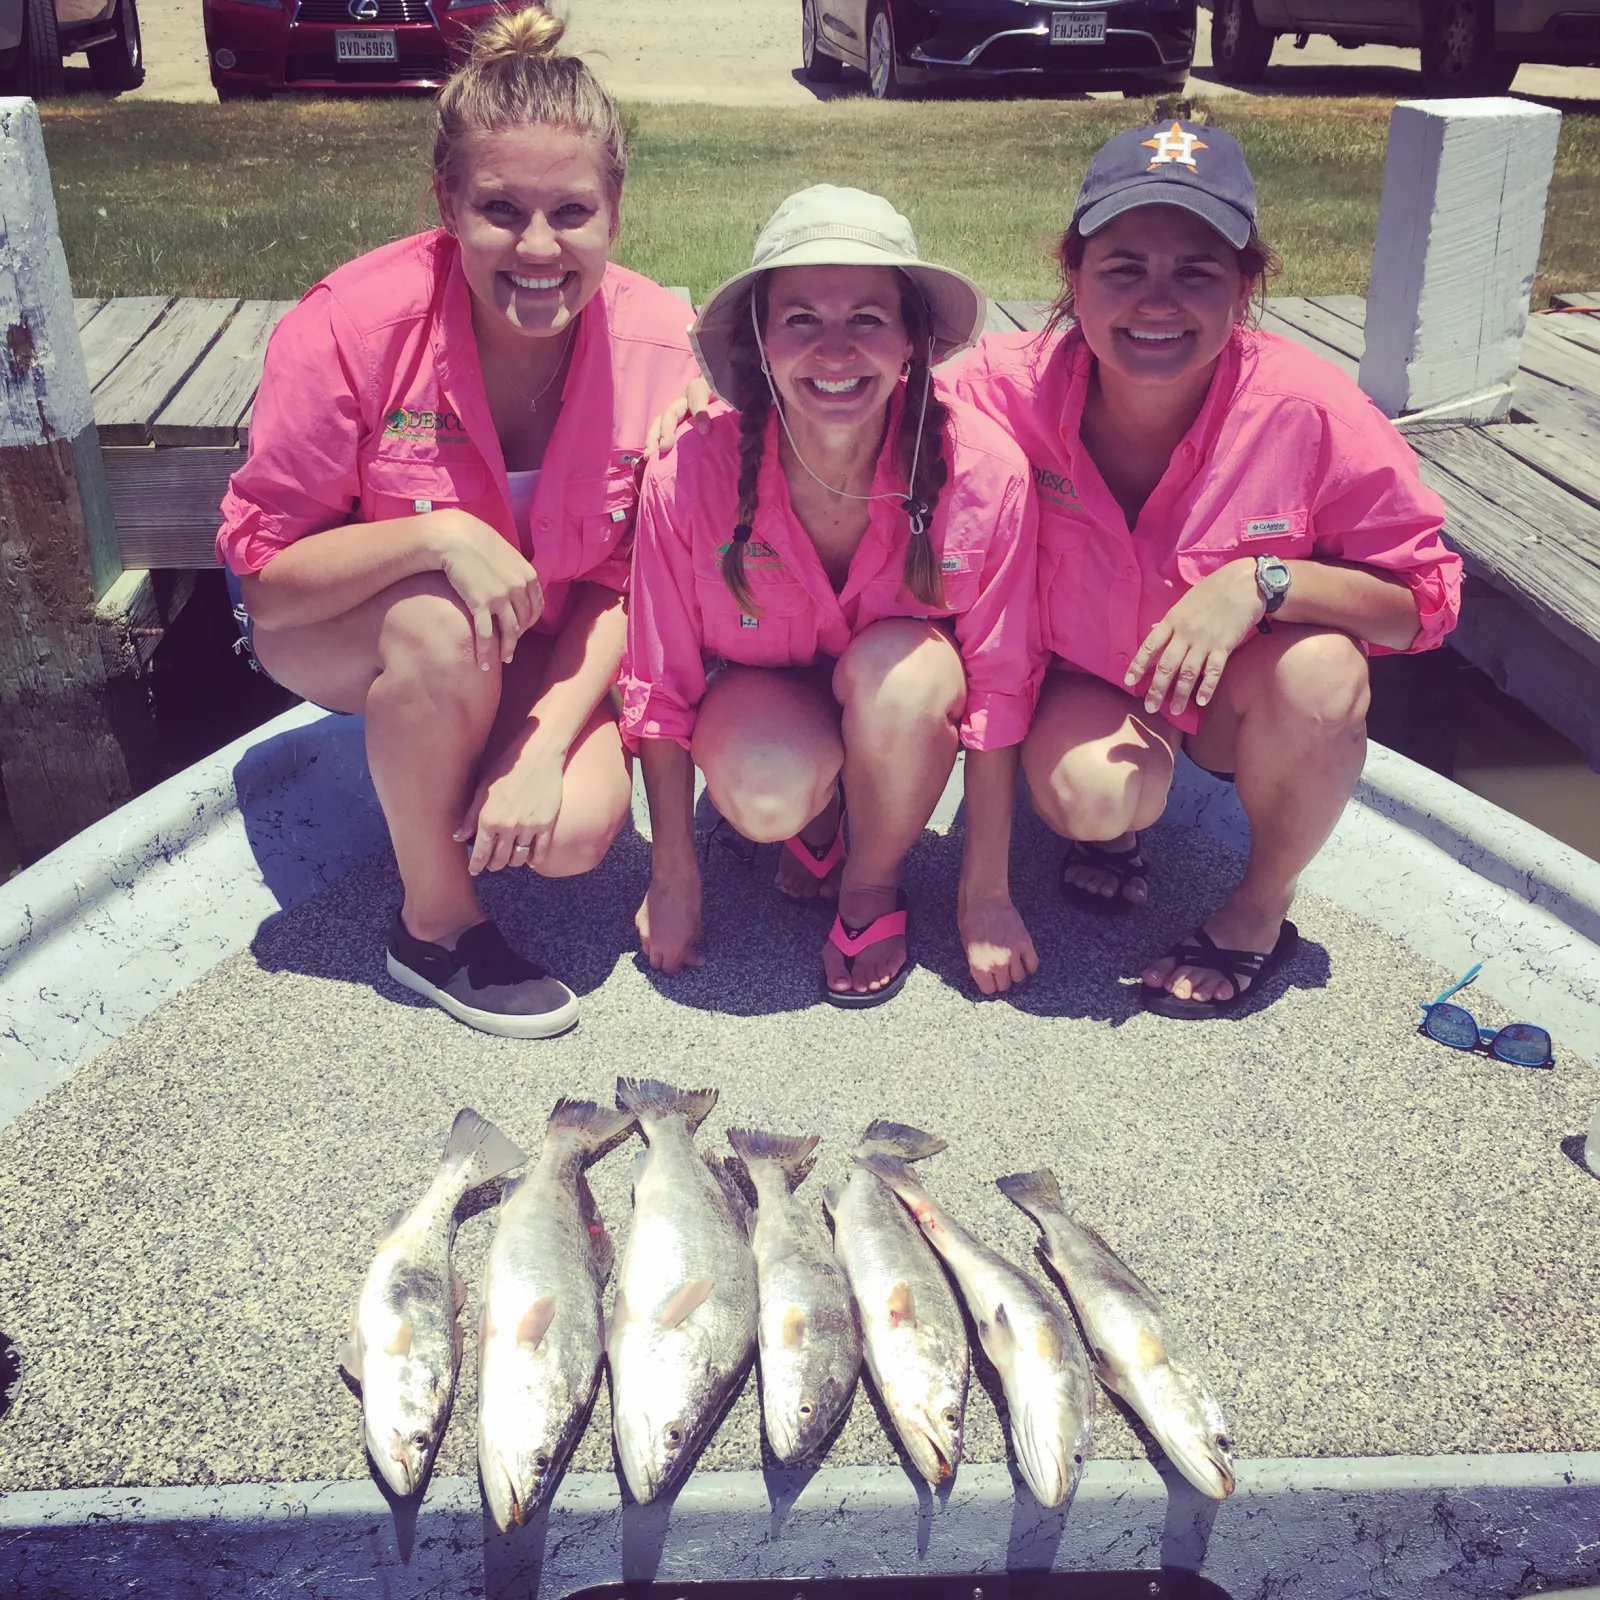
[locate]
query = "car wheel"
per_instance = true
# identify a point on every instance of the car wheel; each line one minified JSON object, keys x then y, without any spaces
{"x":819,"y":67}
{"x":38,"y":71}
{"x":1458,"y":54}
{"x":1240,"y":46}
{"x":883,"y":69}
{"x":118,"y":65}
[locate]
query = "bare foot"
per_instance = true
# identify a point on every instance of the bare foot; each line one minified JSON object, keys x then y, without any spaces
{"x":1096,"y":880}
{"x":792,"y":878}
{"x":1240,"y":925}
{"x":860,"y":905}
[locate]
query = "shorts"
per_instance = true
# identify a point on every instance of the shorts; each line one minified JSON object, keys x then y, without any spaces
{"x":245,"y":643}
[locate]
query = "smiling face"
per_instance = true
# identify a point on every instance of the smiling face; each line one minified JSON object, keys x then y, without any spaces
{"x":836,"y":342}
{"x":1157,"y":295}
{"x":530,"y":209}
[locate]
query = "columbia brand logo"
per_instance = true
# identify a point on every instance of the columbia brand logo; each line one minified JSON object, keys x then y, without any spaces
{"x":747,"y":621}
{"x":1259,"y":527}
{"x":950,"y":564}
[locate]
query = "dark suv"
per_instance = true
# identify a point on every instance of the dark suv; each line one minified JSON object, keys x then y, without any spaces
{"x":36,"y":34}
{"x":1468,"y":47}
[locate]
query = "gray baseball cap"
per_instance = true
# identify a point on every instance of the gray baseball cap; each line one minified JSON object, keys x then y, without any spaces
{"x":1202,"y":169}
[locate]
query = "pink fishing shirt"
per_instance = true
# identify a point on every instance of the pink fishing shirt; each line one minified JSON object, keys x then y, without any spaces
{"x":1287,"y":457}
{"x":681,"y":614}
{"x":372,"y":406}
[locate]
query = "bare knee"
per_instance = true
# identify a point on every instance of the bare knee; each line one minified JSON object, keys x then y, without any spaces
{"x":767,"y":792}
{"x":1094,"y":802}
{"x":1320,"y":685}
{"x":427,"y":640}
{"x":581,"y":846}
{"x":899,"y":675}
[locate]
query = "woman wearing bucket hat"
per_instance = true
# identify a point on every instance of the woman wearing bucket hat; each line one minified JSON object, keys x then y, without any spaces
{"x":1228,"y":527}
{"x":833,"y":592}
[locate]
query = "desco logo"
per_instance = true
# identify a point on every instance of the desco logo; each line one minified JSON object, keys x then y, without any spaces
{"x":405,"y":420}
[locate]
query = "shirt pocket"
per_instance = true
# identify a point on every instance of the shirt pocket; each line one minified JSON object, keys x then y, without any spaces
{"x":1286,"y":534}
{"x":1063,"y":583}
{"x":777,"y":634}
{"x":404,"y":486}
{"x":600,"y":515}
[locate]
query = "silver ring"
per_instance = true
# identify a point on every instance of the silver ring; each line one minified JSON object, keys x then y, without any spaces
{"x":524,"y":848}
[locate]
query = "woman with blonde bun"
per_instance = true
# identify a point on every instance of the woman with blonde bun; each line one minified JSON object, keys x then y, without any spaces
{"x":433,"y":524}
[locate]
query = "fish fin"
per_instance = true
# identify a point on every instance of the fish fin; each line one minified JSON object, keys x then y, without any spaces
{"x":794,"y":1327}
{"x":640,"y":1158}
{"x":902,"y":1306}
{"x":509,"y":1187}
{"x":458,"y":1290}
{"x":391,"y":1225}
{"x":536,"y":1321}
{"x":1131,"y":1279}
{"x":458,"y":1343}
{"x":350,"y":1355}
{"x":831,"y":1195}
{"x":650,"y":1097}
{"x":478,"y":1142}
{"x":728,"y":1180}
{"x":599,"y":1125}
{"x":602,"y":1253}
{"x":1034,"y":1192}
{"x":897,"y":1139}
{"x":691,"y":1295}
{"x":400,"y":1345}
{"x":793,"y":1153}
{"x":1002,"y":1336}
{"x":894,"y":1172}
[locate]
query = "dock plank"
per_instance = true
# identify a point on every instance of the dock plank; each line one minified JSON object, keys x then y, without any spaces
{"x":1027,"y":314}
{"x":119,"y":326}
{"x":996,"y":319}
{"x":208,"y":406}
{"x":1578,"y":326}
{"x":1576,"y":301}
{"x":1273,"y":322}
{"x":84,"y":311}
{"x":167,"y":502}
{"x":1559,"y":359}
{"x":127,"y":402}
{"x":1317,"y":322}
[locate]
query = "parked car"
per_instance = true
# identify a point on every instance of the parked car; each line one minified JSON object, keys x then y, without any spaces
{"x":36,"y":34}
{"x":1469,"y":47}
{"x":258,"y":46}
{"x":1139,"y":46}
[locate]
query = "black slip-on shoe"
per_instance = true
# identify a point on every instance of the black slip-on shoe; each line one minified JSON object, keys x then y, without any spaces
{"x":483,"y":982}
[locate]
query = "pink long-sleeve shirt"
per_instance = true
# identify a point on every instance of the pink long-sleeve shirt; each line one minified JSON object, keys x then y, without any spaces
{"x":1287,"y":457}
{"x":681,"y":613}
{"x":372,"y":406}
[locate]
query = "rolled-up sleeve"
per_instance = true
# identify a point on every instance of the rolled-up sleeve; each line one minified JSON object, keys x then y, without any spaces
{"x":663,"y":674}
{"x":300,"y":476}
{"x":999,"y":635}
{"x":1373,"y":509}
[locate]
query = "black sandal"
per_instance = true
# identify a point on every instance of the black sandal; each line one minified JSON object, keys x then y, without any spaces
{"x":1201,"y":950}
{"x":1121,"y":864}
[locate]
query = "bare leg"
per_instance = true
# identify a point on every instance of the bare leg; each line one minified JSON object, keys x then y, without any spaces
{"x":1289,"y":719}
{"x":1098,"y":767}
{"x":903,"y":689}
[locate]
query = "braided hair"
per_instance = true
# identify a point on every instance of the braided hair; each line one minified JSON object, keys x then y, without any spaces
{"x":920,"y":439}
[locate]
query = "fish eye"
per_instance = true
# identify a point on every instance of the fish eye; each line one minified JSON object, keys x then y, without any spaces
{"x":674,"y":1437}
{"x":1077,"y":1460}
{"x":421,"y":1440}
{"x":1224,"y":1442}
{"x":806,"y":1408}
{"x":541,"y":1462}
{"x":952,"y":1417}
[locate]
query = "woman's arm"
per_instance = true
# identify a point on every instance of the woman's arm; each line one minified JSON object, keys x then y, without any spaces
{"x":1371,"y":605}
{"x":999,"y":949}
{"x":669,"y":919}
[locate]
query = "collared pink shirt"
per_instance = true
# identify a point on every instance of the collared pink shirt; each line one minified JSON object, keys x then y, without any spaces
{"x":681,"y":612}
{"x":1287,"y":457}
{"x":372,"y":406}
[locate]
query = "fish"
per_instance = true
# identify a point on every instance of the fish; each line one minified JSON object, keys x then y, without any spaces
{"x":914,"y":1340}
{"x":809,"y":1337}
{"x":404,"y":1343}
{"x":683,"y":1324}
{"x":1129,"y":1343}
{"x":1025,"y":1332}
{"x":541,"y":1331}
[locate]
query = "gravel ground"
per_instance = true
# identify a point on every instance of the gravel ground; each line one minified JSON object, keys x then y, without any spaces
{"x":1367,"y":1240}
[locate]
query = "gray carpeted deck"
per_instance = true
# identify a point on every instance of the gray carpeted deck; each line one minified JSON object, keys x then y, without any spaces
{"x":1374,"y":1245}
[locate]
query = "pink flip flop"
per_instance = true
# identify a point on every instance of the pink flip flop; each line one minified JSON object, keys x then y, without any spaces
{"x":850,"y":945}
{"x":819,"y":865}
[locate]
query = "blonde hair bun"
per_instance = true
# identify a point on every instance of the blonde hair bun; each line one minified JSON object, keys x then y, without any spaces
{"x":531,"y":33}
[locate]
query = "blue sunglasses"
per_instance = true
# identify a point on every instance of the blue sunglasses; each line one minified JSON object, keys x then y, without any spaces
{"x":1520,"y":1043}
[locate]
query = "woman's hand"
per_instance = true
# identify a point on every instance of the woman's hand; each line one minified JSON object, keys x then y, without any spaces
{"x":999,"y":949}
{"x":695,"y":401}
{"x":514,"y":811}
{"x":494,"y":581}
{"x":1190,"y":646}
{"x":669,"y":923}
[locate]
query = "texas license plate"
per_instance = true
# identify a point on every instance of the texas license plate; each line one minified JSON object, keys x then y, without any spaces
{"x":368,"y":44}
{"x":1078,"y":27}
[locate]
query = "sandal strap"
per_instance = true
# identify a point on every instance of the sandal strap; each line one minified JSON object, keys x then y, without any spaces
{"x":890,"y":925}
{"x":1201,"y":950}
{"x":818,"y":863}
{"x":1125,"y":863}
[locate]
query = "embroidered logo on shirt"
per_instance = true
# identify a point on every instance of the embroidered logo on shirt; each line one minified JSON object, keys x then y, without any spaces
{"x":1175,"y":145}
{"x":950,"y":564}
{"x":406,"y":422}
{"x":758,"y":553}
{"x":1055,"y":489}
{"x":747,"y":621}
{"x":1269,"y":527}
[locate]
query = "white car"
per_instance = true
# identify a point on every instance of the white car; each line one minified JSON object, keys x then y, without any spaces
{"x":36,"y":34}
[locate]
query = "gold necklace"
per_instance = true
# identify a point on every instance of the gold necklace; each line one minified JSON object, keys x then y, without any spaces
{"x":532,"y":401}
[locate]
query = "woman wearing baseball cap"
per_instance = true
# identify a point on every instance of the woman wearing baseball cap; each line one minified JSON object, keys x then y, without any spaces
{"x":834,"y":590}
{"x":1228,"y":527}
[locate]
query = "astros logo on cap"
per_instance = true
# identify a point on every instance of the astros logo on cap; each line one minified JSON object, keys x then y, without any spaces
{"x":1175,"y":145}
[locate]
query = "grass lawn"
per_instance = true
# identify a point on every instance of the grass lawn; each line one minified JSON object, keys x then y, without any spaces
{"x":262,"y":200}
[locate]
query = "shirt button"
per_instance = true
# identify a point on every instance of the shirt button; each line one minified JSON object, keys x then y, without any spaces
{"x":544,"y":524}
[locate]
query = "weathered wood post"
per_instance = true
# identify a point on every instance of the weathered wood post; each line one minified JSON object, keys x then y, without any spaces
{"x":68,"y":723}
{"x":1459,"y":226}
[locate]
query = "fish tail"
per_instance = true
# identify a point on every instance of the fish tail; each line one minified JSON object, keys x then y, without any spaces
{"x":1036,"y":1193}
{"x":650,"y":1097}
{"x":476,"y":1141}
{"x":794,"y":1154}
{"x":598,"y":1125}
{"x":897,"y":1139}
{"x":894,"y":1172}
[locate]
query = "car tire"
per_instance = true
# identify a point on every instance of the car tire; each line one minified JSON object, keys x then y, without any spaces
{"x":38,"y":71}
{"x":818,"y":66}
{"x":1240,"y":46}
{"x":883,"y":66}
{"x":1458,"y":54}
{"x":118,"y":65}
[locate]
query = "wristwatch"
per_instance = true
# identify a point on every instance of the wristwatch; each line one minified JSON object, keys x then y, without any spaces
{"x":1272,"y":581}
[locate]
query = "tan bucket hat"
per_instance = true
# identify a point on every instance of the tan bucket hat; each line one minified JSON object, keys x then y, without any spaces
{"x":826,"y":226}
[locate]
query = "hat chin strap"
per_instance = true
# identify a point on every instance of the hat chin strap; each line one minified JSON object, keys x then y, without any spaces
{"x":914,"y":508}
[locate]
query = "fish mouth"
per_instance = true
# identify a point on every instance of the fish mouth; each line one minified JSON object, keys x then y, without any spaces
{"x":1050,"y":1473}
{"x":1211,"y":1472}
{"x":400,"y":1463}
{"x":930,"y":1454}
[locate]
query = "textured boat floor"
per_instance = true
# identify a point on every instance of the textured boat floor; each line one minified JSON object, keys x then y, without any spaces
{"x":1372,"y":1245}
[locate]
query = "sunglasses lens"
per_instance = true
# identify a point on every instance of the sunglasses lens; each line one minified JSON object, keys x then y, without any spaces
{"x":1522,"y":1044}
{"x":1452,"y":1026}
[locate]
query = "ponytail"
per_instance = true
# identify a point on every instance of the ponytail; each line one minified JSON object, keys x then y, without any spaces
{"x":921,"y":441}
{"x":754,"y":401}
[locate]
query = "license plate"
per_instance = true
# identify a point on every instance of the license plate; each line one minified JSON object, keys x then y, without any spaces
{"x":1078,"y":27}
{"x":368,"y":44}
